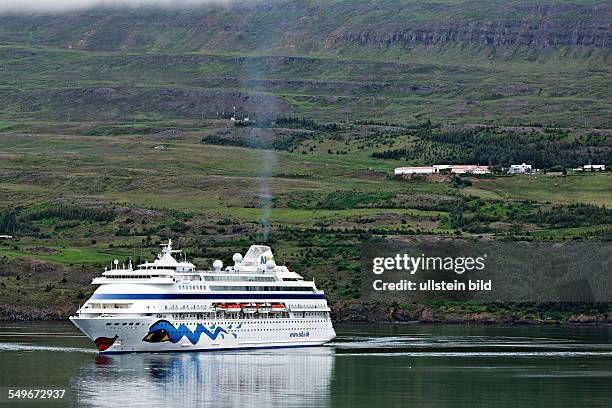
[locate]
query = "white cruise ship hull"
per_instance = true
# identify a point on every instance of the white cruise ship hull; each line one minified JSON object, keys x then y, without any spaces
{"x":126,"y":335}
{"x":167,"y":305}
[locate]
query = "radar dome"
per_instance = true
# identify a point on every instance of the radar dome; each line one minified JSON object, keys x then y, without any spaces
{"x":271,"y":264}
{"x":217,"y":265}
{"x":237,"y":258}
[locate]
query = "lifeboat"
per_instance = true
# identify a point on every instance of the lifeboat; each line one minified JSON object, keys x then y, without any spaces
{"x":249,"y":307}
{"x":232,"y":308}
{"x":278,"y":308}
{"x":263,"y":307}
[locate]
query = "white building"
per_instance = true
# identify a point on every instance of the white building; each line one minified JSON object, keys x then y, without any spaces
{"x":413,"y":170}
{"x":591,"y":167}
{"x":442,"y":168}
{"x":462,"y":168}
{"x":470,"y":168}
{"x":594,"y":167}
{"x":520,"y":169}
{"x":437,"y":168}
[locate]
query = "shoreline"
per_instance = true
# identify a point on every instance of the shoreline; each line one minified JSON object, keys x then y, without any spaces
{"x":403,"y":323}
{"x":363,"y":314}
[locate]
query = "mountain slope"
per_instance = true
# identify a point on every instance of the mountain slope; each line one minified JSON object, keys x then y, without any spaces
{"x":319,"y":26}
{"x":501,"y":62}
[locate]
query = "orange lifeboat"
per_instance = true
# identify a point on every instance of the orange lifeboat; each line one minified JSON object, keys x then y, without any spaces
{"x":232,"y":307}
{"x":278,"y":308}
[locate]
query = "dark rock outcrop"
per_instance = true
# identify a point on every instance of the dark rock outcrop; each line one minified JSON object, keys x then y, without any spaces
{"x":118,"y":102}
{"x":296,"y":25}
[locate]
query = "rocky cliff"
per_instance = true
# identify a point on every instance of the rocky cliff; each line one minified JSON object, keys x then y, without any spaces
{"x":314,"y":26}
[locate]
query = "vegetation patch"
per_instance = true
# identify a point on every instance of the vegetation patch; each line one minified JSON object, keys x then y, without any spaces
{"x":554,"y":149}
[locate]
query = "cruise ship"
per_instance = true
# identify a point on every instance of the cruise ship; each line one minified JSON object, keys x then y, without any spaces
{"x":169,"y":305}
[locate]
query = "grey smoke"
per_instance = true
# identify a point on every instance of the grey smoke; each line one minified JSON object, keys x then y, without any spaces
{"x":67,"y":5}
{"x":265,"y":173}
{"x":265,"y":167}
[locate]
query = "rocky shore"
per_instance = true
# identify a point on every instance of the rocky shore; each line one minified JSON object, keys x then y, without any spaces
{"x":356,"y":312}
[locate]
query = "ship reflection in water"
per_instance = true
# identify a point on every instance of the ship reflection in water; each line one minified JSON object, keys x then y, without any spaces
{"x":233,"y":378}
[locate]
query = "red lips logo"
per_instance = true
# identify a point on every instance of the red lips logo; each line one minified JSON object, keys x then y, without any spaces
{"x":105,"y":342}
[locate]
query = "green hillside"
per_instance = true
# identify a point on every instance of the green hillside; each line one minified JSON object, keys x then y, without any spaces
{"x":77,"y":199}
{"x":493,"y":62}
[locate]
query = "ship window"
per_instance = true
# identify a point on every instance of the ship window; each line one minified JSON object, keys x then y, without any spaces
{"x":263,"y":288}
{"x":230,"y":278}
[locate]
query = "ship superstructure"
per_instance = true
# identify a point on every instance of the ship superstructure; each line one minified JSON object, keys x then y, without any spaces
{"x":169,"y":305}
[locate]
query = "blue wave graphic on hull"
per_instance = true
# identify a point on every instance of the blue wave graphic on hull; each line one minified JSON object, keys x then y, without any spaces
{"x":163,"y":330}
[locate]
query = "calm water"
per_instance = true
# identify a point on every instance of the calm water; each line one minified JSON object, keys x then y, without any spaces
{"x":380,"y":366}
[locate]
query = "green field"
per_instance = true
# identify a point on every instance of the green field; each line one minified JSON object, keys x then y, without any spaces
{"x":207,"y":184}
{"x":579,"y":188}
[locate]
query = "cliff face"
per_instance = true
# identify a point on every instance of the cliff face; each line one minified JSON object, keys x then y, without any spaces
{"x":533,"y":24}
{"x":486,"y":33}
{"x":318,"y":25}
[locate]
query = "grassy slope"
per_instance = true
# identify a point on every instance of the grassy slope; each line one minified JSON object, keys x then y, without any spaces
{"x":592,"y":188}
{"x":332,"y":89}
{"x":52,"y":62}
{"x":213,"y":190}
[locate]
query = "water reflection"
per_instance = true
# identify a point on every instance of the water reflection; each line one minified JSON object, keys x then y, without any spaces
{"x":280,"y":377}
{"x":367,"y":365}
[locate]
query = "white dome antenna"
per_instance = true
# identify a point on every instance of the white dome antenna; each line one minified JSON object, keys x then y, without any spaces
{"x":237,"y":258}
{"x":217,"y":265}
{"x":270,"y":265}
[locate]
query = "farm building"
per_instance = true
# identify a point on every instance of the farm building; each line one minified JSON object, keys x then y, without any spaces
{"x":413,"y":170}
{"x":591,"y":167}
{"x":463,"y":168}
{"x":520,"y":169}
{"x":443,"y":168}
